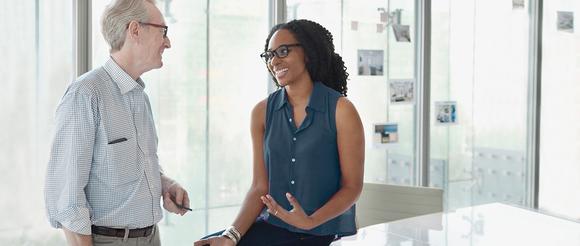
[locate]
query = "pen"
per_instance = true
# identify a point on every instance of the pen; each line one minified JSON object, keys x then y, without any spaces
{"x":183,"y":207}
{"x":179,"y":206}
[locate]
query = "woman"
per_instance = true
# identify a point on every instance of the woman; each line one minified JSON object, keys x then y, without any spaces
{"x":308,"y":145}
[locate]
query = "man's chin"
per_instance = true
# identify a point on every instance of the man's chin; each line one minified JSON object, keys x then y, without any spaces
{"x":153,"y":67}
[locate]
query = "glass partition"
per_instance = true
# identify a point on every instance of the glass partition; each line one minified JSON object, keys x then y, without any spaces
{"x":479,"y":88}
{"x":559,"y":155}
{"x":37,"y":67}
{"x":202,"y":100}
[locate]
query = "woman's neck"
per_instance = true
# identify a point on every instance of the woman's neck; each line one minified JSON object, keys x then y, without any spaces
{"x":299,"y":93}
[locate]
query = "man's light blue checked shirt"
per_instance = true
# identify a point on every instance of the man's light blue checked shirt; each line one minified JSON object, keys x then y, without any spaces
{"x":91,"y":181}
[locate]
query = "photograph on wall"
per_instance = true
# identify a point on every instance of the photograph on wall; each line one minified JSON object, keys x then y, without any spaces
{"x":445,"y":112}
{"x":518,"y":4}
{"x":566,"y":21}
{"x":385,"y":133}
{"x":402,"y":33}
{"x":370,"y":62}
{"x":401,"y":91}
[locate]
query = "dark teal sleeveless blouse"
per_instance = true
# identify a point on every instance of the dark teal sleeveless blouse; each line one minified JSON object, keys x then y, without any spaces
{"x":304,"y":161}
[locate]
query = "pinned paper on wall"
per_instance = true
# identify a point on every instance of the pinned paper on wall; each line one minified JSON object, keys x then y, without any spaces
{"x":445,"y":113}
{"x":384,"y":16}
{"x":354,"y":25}
{"x":518,"y":4}
{"x":401,"y":91}
{"x":402,"y":33}
{"x":370,"y":62}
{"x":565,"y":21}
{"x":385,"y":134}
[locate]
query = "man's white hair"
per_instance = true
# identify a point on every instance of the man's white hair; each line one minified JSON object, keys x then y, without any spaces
{"x":117,"y":16}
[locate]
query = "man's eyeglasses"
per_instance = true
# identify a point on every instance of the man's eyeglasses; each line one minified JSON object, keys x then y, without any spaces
{"x":280,"y":52}
{"x":157,"y":25}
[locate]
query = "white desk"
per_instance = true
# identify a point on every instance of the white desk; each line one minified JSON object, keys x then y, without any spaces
{"x":493,"y":224}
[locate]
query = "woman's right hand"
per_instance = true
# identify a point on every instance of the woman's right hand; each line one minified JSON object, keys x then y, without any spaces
{"x":215,"y":241}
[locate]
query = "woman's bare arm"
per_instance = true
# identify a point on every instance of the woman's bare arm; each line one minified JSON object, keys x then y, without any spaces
{"x":351,"y":148}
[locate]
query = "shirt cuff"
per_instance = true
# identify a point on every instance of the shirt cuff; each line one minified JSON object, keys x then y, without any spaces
{"x":74,"y":219}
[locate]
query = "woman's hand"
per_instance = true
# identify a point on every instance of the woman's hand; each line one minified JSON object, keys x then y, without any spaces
{"x":215,"y":241}
{"x":296,"y":217}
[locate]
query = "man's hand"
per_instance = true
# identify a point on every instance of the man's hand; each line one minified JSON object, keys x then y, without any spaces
{"x":175,"y":196}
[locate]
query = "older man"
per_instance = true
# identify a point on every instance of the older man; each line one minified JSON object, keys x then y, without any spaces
{"x":104,"y":182}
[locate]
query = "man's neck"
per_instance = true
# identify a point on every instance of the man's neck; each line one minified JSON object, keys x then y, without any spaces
{"x":125,"y":62}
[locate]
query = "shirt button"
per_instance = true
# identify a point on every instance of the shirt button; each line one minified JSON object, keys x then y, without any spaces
{"x":292,"y":182}
{"x":293,"y":139}
{"x":293,"y":160}
{"x":290,"y":119}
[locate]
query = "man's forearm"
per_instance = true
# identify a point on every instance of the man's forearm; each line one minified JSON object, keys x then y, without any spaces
{"x":166,"y":182}
{"x":75,"y":239}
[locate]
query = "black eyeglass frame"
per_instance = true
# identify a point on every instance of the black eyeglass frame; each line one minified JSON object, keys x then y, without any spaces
{"x":165,"y":28}
{"x":278,"y":52}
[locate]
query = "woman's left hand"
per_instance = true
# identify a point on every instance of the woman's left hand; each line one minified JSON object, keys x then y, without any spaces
{"x":296,"y":217}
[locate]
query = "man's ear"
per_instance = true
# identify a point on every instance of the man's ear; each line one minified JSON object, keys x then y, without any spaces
{"x":133,"y":30}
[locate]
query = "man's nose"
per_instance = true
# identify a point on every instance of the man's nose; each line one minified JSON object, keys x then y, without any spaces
{"x":167,"y":43}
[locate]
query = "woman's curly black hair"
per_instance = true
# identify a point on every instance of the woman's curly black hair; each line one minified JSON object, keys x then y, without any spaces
{"x":323,"y":64}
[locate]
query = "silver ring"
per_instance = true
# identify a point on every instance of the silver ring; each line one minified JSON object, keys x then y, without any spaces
{"x":276,"y":213}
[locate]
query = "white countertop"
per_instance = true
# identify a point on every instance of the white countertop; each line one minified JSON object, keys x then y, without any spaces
{"x":490,"y":225}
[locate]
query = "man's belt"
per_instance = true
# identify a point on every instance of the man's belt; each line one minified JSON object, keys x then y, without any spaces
{"x":114,"y":232}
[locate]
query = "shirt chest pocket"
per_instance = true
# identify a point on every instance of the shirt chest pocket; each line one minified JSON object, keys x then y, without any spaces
{"x":122,"y":163}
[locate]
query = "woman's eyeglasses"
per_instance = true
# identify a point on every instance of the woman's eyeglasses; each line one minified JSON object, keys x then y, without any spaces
{"x":280,"y":52}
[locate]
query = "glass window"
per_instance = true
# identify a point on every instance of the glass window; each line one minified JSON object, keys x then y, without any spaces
{"x":310,"y":9}
{"x":202,"y":100}
{"x":559,"y":155}
{"x":479,"y":88}
{"x":37,"y":66}
{"x":238,"y":80}
{"x":479,"y":92}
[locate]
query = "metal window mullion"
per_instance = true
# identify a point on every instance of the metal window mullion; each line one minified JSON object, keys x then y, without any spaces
{"x":341,"y":27}
{"x":277,"y":14}
{"x":534,"y":105}
{"x":423,"y":82}
{"x":38,"y":84}
{"x":207,"y":113}
{"x":82,"y":36}
{"x":280,"y":16}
